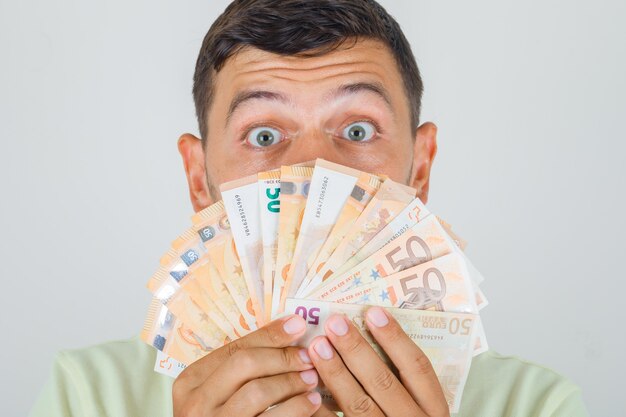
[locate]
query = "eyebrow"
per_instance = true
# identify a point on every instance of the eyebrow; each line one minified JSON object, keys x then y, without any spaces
{"x":344,"y":90}
{"x":355,"y":88}
{"x":248,"y":95}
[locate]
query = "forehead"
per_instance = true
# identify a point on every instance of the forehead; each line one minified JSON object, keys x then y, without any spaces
{"x":308,"y":77}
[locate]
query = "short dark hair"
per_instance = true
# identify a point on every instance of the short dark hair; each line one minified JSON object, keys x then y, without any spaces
{"x":301,"y":28}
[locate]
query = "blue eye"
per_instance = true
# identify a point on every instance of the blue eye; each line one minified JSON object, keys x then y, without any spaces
{"x":359,"y":131}
{"x":264,"y":136}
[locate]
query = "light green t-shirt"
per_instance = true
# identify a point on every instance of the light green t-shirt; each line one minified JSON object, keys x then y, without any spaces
{"x":117,"y":379}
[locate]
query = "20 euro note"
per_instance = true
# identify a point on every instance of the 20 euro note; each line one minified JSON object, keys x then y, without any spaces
{"x":331,"y":185}
{"x":445,"y":338}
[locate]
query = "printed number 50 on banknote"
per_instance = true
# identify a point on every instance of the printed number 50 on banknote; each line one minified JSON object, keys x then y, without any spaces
{"x":445,"y":338}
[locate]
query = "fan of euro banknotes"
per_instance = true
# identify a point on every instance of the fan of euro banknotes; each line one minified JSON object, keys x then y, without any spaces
{"x":315,"y":239}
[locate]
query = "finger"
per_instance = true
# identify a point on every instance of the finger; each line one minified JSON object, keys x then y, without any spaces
{"x":250,"y":364}
{"x":416,"y":371}
{"x":259,"y":394}
{"x":279,"y":333}
{"x":347,"y":392}
{"x":369,"y":369}
{"x":303,"y":405}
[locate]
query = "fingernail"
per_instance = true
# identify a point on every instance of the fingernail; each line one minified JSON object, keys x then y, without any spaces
{"x":315,"y":398}
{"x":294,"y":325}
{"x":304,"y":355}
{"x":377,"y":317}
{"x":322,"y":347}
{"x":337,"y":324}
{"x":309,"y":377}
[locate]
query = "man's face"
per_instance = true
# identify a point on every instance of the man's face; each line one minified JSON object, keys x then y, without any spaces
{"x":348,"y":106}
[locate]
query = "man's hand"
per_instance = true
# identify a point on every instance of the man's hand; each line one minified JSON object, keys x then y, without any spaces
{"x":359,"y":380}
{"x":249,"y":375}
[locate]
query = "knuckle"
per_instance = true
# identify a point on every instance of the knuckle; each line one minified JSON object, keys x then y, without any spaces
{"x":384,"y":380}
{"x":244,"y":359}
{"x":354,"y":345}
{"x":336,"y":369}
{"x":421,"y":364}
{"x":286,"y":356}
{"x":192,"y":407}
{"x":294,"y":382}
{"x":395,"y":334}
{"x":230,"y":409}
{"x":255,"y":391}
{"x":273,"y":335}
{"x":233,"y":348}
{"x":361,"y":405}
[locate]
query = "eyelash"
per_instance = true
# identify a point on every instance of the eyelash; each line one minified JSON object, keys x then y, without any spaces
{"x":244,"y":136}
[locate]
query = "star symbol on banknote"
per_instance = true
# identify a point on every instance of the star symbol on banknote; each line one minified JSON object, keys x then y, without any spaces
{"x":384,"y":295}
{"x":238,"y":270}
{"x":375,"y":274}
{"x":364,"y":299}
{"x":204,"y":317}
{"x":357,"y":282}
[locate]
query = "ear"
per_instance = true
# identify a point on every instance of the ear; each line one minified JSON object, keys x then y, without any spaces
{"x":424,"y":151}
{"x":190,"y":148}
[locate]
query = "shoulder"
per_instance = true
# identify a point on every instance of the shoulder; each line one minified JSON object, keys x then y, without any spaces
{"x":129,"y":356}
{"x":113,"y":378}
{"x":502,"y":386}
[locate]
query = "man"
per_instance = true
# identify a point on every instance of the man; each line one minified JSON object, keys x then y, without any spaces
{"x":281,"y":82}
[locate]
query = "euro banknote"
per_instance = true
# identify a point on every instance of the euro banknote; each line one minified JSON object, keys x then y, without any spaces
{"x":317,"y":234}
{"x":446,"y":338}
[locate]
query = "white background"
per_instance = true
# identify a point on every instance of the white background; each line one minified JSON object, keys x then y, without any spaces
{"x":529,"y":98}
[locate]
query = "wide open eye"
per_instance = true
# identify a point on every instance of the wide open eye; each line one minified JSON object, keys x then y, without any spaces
{"x":359,"y":131}
{"x":264,"y":136}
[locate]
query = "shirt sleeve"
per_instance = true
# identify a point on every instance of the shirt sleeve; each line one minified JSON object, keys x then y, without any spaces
{"x":61,"y":395}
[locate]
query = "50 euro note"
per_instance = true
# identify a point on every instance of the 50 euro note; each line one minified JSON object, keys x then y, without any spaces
{"x":445,"y":338}
{"x":294,"y":190}
{"x":386,"y":204}
{"x":442,"y":284}
{"x":179,"y":301}
{"x":423,"y":242}
{"x":412,"y":214}
{"x":204,"y":282}
{"x":241,"y":202}
{"x":198,"y":288}
{"x":166,"y":285}
{"x":361,"y":194}
{"x":213,"y":228}
{"x":168,"y":334}
{"x":269,"y":206}
{"x":331,"y":185}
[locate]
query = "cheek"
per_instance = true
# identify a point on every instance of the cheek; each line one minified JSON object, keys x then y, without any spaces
{"x":227,"y":165}
{"x":391,"y":159}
